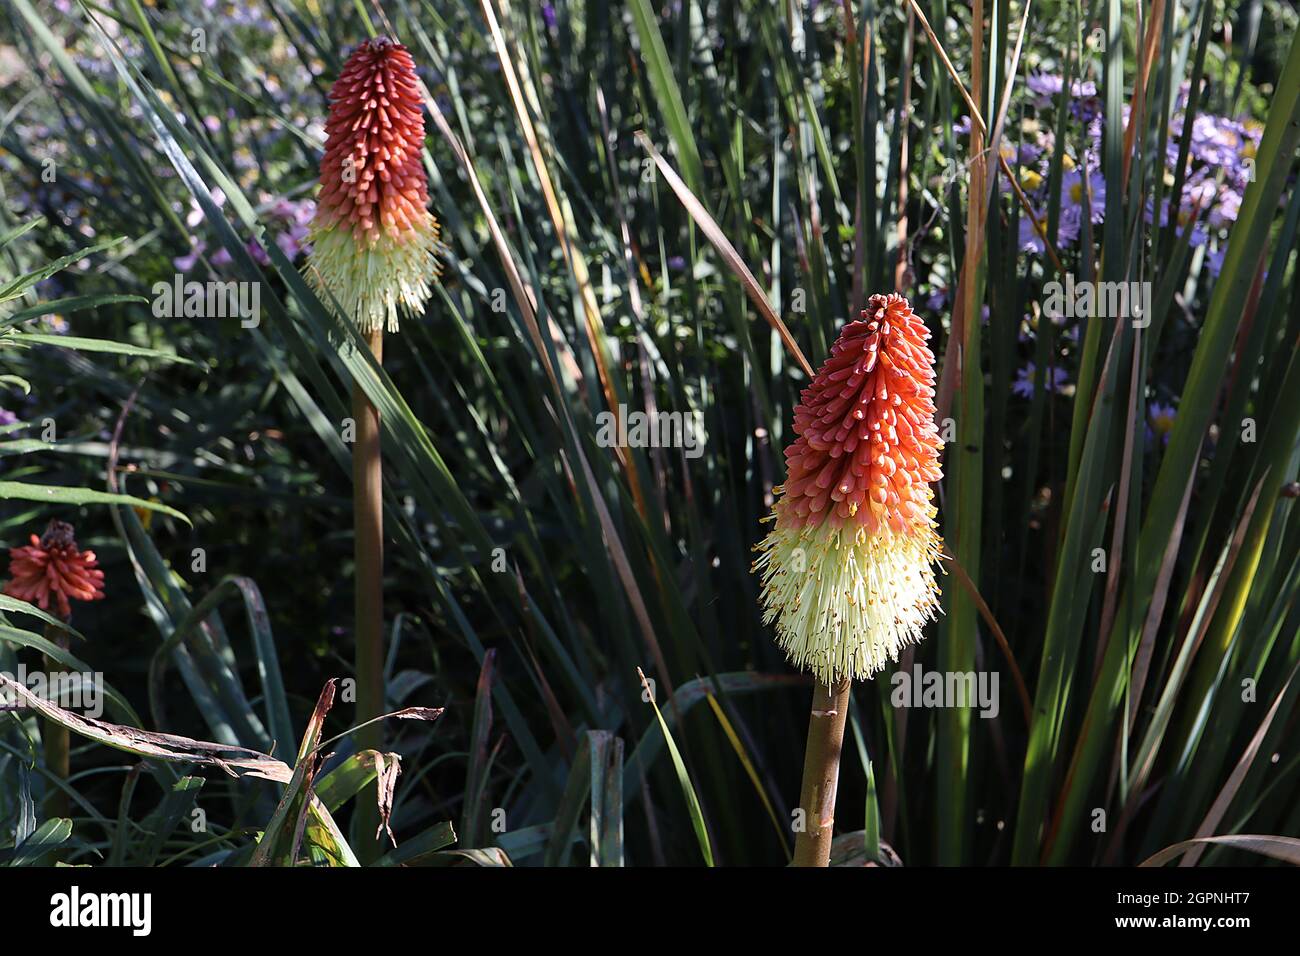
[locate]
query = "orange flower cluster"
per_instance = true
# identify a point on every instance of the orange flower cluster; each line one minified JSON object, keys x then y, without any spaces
{"x":372,"y":176}
{"x":866,"y":427}
{"x":53,"y":567}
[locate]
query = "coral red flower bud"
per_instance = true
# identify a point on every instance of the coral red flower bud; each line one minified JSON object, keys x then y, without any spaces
{"x":373,"y":239}
{"x":848,"y":570}
{"x":53,"y":567}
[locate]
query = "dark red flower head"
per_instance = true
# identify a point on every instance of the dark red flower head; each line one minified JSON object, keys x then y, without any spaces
{"x":868,"y":447}
{"x":52,"y":566}
{"x":372,"y":176}
{"x":374,"y":243}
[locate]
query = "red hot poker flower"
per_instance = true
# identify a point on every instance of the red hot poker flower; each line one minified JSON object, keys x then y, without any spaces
{"x":868,"y":447}
{"x":848,"y":570}
{"x":373,"y":239}
{"x":53,"y":566}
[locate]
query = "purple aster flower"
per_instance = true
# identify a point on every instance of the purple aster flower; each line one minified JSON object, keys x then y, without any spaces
{"x":293,"y":241}
{"x":1024,"y":384}
{"x":1085,"y":104}
{"x":1028,"y":154}
{"x":1067,"y":230}
{"x":257,"y":252}
{"x":1224,"y":212}
{"x":937,"y":299}
{"x":1218,"y":141}
{"x":1076,"y":195}
{"x":1160,"y":422}
{"x":1214,"y":260}
{"x":1045,"y":87}
{"x":1030,"y":239}
{"x":186,"y":262}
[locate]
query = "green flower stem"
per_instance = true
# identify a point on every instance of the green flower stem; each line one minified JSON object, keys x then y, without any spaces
{"x":821,"y":773}
{"x":368,"y":529}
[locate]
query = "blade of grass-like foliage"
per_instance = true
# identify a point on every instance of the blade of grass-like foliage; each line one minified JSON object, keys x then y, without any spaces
{"x":1274,"y":453}
{"x":69,"y":304}
{"x":51,"y":835}
{"x":1274,"y":158}
{"x":562,"y":220}
{"x":683,"y":777}
{"x":341,"y":783}
{"x":606,"y":829}
{"x":492,"y":856}
{"x":1277,"y":149}
{"x":1092,"y":370}
{"x":748,"y":764}
{"x":709,"y":226}
{"x":268,"y":664}
{"x":1248,"y":579}
{"x":22,"y":491}
{"x":1116,"y":566}
{"x":667,"y":92}
{"x":212,"y":684}
{"x":17,"y":286}
{"x":1064,"y":624}
{"x":420,"y":850}
{"x":1170,"y":695}
{"x":687,"y":696}
{"x":871,"y":828}
{"x":527,"y":302}
{"x":1204,"y":31}
{"x":1286,"y":849}
{"x":124,"y":836}
{"x":1146,"y":646}
{"x":279,"y":842}
{"x":587,"y":779}
{"x":999,"y":636}
{"x":98,"y":345}
{"x":162,"y":823}
{"x":1233,"y":784}
{"x":1266,"y":322}
{"x":473,"y":818}
{"x":53,"y":651}
{"x":9,"y":235}
{"x":964,"y":476}
{"x":23,"y":446}
{"x":25,"y":825}
{"x":8,"y":603}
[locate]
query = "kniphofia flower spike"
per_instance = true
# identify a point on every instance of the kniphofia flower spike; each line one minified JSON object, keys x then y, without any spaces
{"x":373,"y":238}
{"x":52,"y":567}
{"x":848,"y":570}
